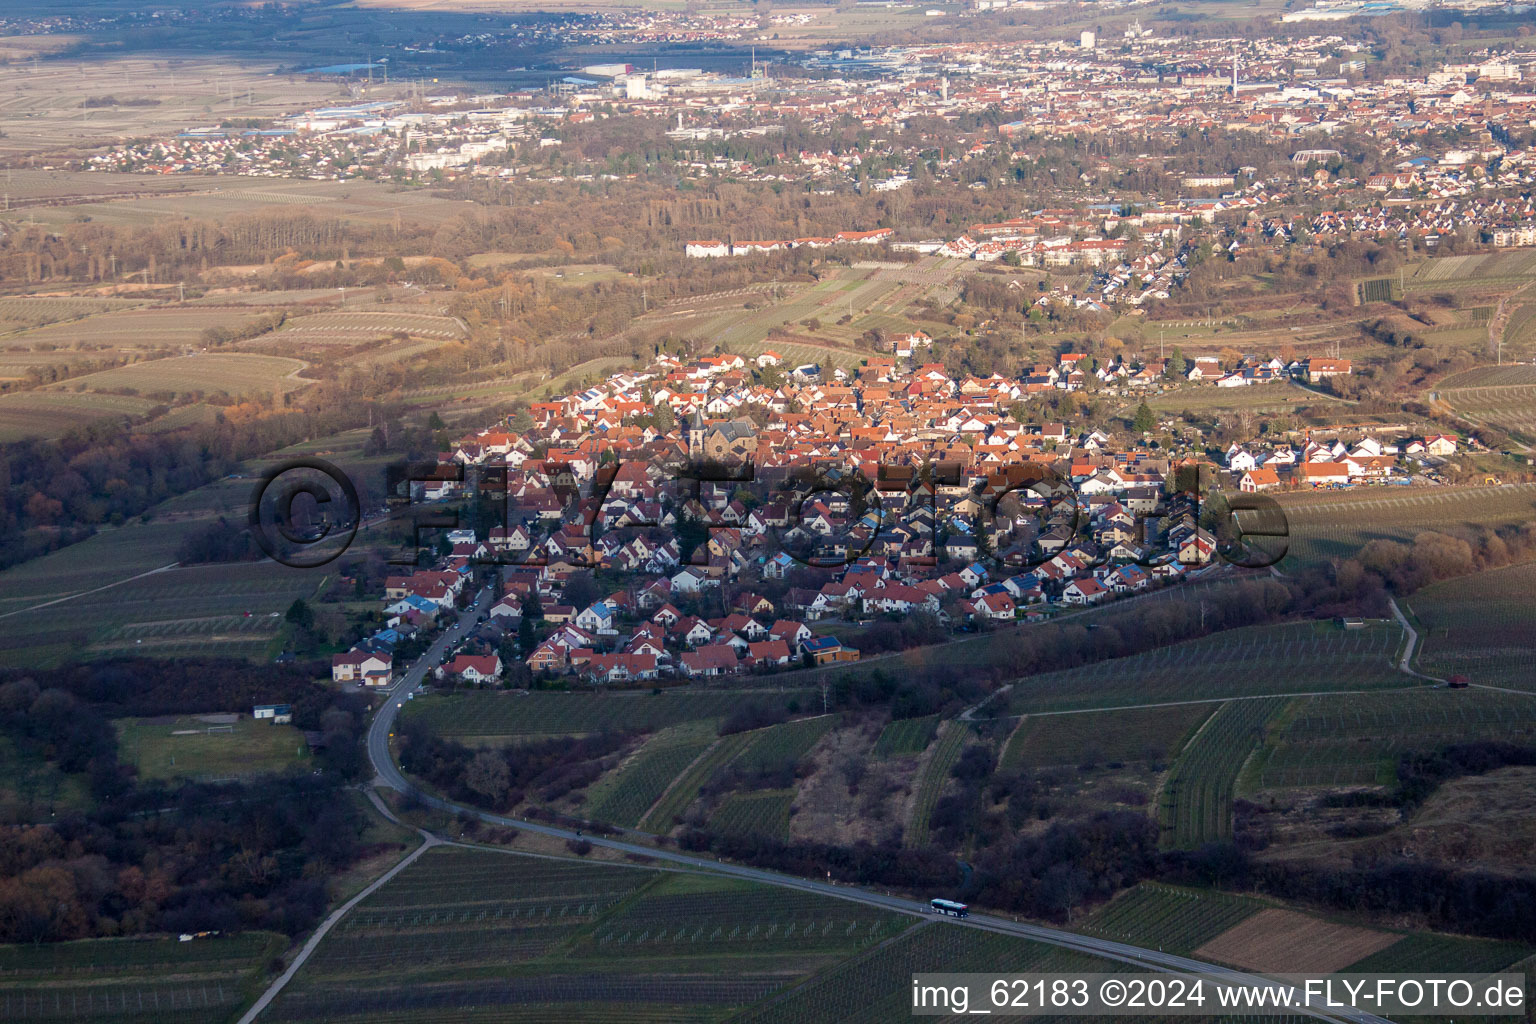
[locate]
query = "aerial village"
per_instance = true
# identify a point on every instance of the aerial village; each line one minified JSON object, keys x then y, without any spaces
{"x":690,"y":521}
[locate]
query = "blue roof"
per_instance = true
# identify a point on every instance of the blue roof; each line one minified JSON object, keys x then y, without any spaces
{"x":821,"y":643}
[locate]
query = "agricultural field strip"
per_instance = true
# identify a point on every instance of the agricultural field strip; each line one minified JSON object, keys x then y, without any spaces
{"x":765,"y":812}
{"x":872,"y":989}
{"x":906,"y":736}
{"x":636,"y":786}
{"x":233,"y":372}
{"x":1478,"y":624}
{"x":1213,"y":700}
{"x":1296,"y":508}
{"x":131,"y":980}
{"x":760,"y":748}
{"x":935,"y":774}
{"x":1196,"y":802}
{"x":598,"y":912}
{"x":1221,"y":665}
{"x":676,"y":798}
{"x":1173,"y":730}
{"x":1351,"y":739}
{"x":1170,"y":918}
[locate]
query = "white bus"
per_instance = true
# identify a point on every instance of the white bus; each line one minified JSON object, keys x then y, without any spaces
{"x":950,"y":907}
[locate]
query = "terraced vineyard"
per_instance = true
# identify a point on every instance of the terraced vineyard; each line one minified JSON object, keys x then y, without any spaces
{"x":479,"y":935}
{"x":1290,"y":658}
{"x":20,"y":313}
{"x":1502,"y":268}
{"x":1482,"y":626}
{"x":51,"y":413}
{"x":784,"y":744}
{"x":876,"y":988}
{"x":1502,"y":396}
{"x":134,"y":981}
{"x":1355,"y":739}
{"x":1196,"y":805}
{"x":694,"y":913}
{"x":1338,"y":524}
{"x":685,"y":790}
{"x":558,"y":714}
{"x":930,"y":783}
{"x":623,"y":797}
{"x":1169,"y":918}
{"x":230,"y":373}
{"x":770,"y":749}
{"x":1140,"y":734}
{"x":232,"y":610}
{"x":765,"y":813}
{"x":1520,"y":330}
{"x":133,"y":329}
{"x":906,"y":736}
{"x":1424,"y":951}
{"x":350,"y":327}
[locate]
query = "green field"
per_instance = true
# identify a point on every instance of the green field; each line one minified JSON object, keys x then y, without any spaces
{"x":624,"y":795}
{"x":781,"y":745}
{"x":676,"y":799}
{"x":348,"y":327}
{"x":166,"y":327}
{"x":135,"y":981}
{"x":906,"y":736}
{"x":1170,"y":918}
{"x":1139,"y":734}
{"x":1196,"y":803}
{"x":1503,"y":268}
{"x":490,"y":714}
{"x":1426,"y":951}
{"x":1180,"y":920}
{"x":1482,"y":626}
{"x":476,"y":935}
{"x":1356,"y":738}
{"x":764,"y":813}
{"x":876,"y":988}
{"x":1291,"y":658}
{"x":1500,"y":396}
{"x":153,"y":746}
{"x":772,"y":748}
{"x":19,"y":313}
{"x":210,"y":373}
{"x":930,"y":781}
{"x":1326,"y":525}
{"x":51,"y":413}
{"x":1520,"y":330}
{"x":230,"y":609}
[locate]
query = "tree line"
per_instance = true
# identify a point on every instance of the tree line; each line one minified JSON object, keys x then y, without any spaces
{"x":152,"y":856}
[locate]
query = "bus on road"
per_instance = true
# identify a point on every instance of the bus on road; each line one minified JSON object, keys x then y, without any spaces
{"x":950,"y":907}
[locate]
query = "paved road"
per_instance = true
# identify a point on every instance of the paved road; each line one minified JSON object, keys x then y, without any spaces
{"x":389,"y":774}
{"x":394,"y":697}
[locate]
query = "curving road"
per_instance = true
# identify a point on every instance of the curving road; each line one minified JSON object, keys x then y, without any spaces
{"x":1149,"y":959}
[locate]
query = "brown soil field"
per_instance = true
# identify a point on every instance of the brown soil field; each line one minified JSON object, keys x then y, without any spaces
{"x":1275,"y":940}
